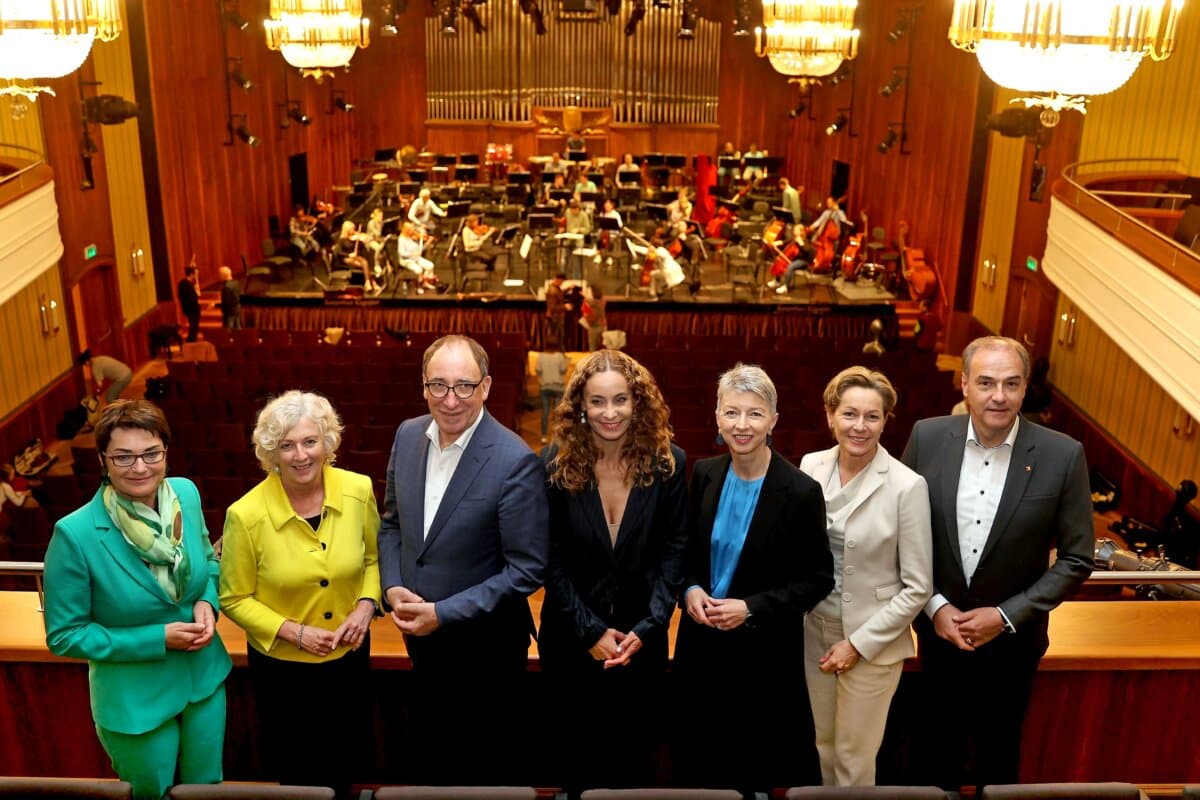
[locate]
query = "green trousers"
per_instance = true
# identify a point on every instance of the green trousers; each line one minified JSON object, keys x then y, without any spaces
{"x":193,"y":741}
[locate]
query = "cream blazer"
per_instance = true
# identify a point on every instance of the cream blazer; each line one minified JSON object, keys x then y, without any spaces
{"x":887,"y":561}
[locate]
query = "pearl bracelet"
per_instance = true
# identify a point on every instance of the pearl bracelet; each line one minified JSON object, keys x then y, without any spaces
{"x":300,"y":638}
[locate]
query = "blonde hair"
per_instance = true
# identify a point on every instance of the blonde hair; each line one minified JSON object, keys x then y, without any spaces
{"x":858,"y":377}
{"x":283,"y":413}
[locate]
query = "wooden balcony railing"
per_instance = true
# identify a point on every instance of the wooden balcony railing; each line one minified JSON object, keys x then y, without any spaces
{"x":21,"y":174}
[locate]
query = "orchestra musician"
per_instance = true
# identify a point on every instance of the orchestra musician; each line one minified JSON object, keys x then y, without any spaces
{"x":790,"y":198}
{"x":575,"y":143}
{"x":423,"y":210}
{"x":409,"y":248}
{"x":681,"y":227}
{"x":607,"y":240}
{"x":557,"y":184}
{"x":665,"y":272}
{"x":727,"y":177}
{"x":752,"y":174}
{"x":801,"y":254}
{"x":347,"y":250}
{"x":556,"y":164}
{"x":375,"y":238}
{"x":578,"y":225}
{"x":584,"y":184}
{"x":300,"y":230}
{"x":627,"y":167}
{"x":478,"y":243}
{"x":832,"y":212}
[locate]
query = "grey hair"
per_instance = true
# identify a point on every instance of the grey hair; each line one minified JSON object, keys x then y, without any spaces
{"x":283,"y":413}
{"x":748,"y":378}
{"x":995,"y":343}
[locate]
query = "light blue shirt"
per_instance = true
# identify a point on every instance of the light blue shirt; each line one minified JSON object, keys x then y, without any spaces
{"x":735,"y":509}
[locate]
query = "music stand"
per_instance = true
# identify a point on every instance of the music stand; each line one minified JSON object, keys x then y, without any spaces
{"x":385,"y":154}
{"x":628,"y":196}
{"x":408,"y":188}
{"x":658,"y":211}
{"x":543,"y":210}
{"x":457,"y":209}
{"x":576,"y":155}
{"x":443,"y":160}
{"x":629,"y":176}
{"x":591,"y":197}
{"x":505,"y":239}
{"x":521,"y":178}
{"x":675,"y":161}
{"x":563,"y":195}
{"x":363,"y":187}
{"x":654,"y":159}
{"x":782,"y":213}
{"x":516,"y":193}
{"x":418,"y":176}
{"x":596,"y":177}
{"x":466,"y":173}
{"x":468,"y":158}
{"x":539,"y":224}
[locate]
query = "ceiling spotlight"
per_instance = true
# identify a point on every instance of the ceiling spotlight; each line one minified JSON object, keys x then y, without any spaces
{"x":237,"y":127}
{"x":687,"y":21}
{"x":108,"y":109}
{"x":897,"y":33}
{"x":800,"y":108}
{"x":635,"y":17}
{"x":295,"y":114}
{"x":837,"y":125}
{"x":342,"y":104}
{"x":896,"y":81}
{"x":236,"y":20}
{"x":471,"y":14}
{"x":888,"y":140}
{"x":387,"y":19}
{"x":741,"y":18}
{"x":238,"y":77}
{"x":840,"y":75}
{"x":449,"y":15}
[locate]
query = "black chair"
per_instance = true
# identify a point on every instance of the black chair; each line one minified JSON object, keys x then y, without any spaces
{"x":866,"y":793}
{"x":1063,"y":791}
{"x":455,"y":793}
{"x":247,"y":791}
{"x":660,"y":794}
{"x":65,"y":788}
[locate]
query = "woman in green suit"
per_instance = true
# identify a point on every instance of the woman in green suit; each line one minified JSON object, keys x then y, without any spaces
{"x":131,"y":586}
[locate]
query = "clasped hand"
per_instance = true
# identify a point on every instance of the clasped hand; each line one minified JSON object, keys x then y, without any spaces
{"x":193,"y":635}
{"x":411,"y":614}
{"x":723,"y":615}
{"x":839,"y":658}
{"x":615,"y":648}
{"x":968,"y":630}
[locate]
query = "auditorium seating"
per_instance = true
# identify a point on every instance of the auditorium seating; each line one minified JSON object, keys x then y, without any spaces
{"x":247,"y":791}
{"x":455,"y":793}
{"x":1063,"y":791}
{"x":866,"y":793}
{"x":660,"y":794}
{"x":65,"y":788}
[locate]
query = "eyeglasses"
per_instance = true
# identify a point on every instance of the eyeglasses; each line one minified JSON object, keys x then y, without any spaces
{"x":129,"y":459}
{"x":462,"y":391}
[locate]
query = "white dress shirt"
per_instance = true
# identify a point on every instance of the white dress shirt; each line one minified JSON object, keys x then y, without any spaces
{"x":980,"y":485}
{"x":440,"y":465}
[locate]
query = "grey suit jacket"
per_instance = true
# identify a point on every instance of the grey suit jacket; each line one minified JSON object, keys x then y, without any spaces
{"x":887,"y":568}
{"x":489,"y":542}
{"x":1046,"y":503}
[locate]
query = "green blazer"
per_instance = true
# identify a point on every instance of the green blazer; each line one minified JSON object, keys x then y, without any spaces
{"x":103,"y":605}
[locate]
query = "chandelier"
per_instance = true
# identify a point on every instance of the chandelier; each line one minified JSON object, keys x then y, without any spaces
{"x":44,"y":39}
{"x":807,"y":38}
{"x":1063,"y":51}
{"x":317,"y":36}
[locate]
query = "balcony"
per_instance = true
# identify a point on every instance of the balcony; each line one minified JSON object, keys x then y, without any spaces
{"x":1112,"y":247}
{"x":29,"y":239}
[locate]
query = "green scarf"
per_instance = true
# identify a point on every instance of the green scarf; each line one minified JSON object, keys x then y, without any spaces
{"x":157,"y":536}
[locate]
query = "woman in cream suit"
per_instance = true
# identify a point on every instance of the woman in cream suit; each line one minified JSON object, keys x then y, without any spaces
{"x":856,"y":639}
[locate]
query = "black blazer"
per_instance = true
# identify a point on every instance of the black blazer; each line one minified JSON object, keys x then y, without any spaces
{"x":784,"y":570}
{"x":1046,"y":503}
{"x":592,"y":586}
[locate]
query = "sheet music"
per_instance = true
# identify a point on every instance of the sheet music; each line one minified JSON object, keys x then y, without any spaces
{"x":526,"y":244}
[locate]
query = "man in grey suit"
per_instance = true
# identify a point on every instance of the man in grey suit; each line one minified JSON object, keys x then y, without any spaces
{"x":463,"y":541}
{"x":1003,"y":492}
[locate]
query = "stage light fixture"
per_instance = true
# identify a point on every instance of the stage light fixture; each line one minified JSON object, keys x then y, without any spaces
{"x":837,"y":125}
{"x":897,"y":33}
{"x":238,"y":77}
{"x":687,"y":21}
{"x":840,"y":75}
{"x":449,"y":18}
{"x":471,"y":14}
{"x":800,"y":108}
{"x":341,"y":103}
{"x":295,"y":114}
{"x":236,"y":20}
{"x":889,"y":140}
{"x":894,"y":83}
{"x":387,"y":19}
{"x":741,"y":19}
{"x":237,"y":127}
{"x":635,"y":17}
{"x":108,"y":109}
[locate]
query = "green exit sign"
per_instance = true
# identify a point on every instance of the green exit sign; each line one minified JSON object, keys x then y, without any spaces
{"x":1031,"y":264}
{"x":89,"y":252}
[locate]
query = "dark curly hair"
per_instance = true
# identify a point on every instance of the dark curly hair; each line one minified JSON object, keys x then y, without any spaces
{"x":647,"y":446}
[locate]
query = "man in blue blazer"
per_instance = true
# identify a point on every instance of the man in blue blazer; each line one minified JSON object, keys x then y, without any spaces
{"x":1003,"y":492}
{"x":463,"y":541}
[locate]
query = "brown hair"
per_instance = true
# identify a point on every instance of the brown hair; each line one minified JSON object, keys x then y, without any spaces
{"x":133,"y":414}
{"x":859,"y":378}
{"x":477,"y":352}
{"x":647,"y":446}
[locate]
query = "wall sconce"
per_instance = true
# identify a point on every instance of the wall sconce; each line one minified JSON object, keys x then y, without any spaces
{"x":987,"y":275}
{"x":1066,"y":327}
{"x":48,"y":312}
{"x":1182,"y":425}
{"x":137,"y":261}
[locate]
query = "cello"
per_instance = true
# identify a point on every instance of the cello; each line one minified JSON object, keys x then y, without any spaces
{"x":921,"y":279}
{"x":826,"y":247}
{"x":853,"y":251}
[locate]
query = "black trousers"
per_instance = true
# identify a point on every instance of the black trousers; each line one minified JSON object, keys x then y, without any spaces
{"x":315,"y":719}
{"x":193,"y":326}
{"x":975,"y":705}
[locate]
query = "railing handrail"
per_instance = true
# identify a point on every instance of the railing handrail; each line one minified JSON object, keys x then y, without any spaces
{"x":27,"y":568}
{"x":38,"y":159}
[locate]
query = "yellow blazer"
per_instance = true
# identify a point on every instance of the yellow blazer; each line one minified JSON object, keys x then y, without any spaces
{"x":887,"y":561}
{"x":275,"y":567}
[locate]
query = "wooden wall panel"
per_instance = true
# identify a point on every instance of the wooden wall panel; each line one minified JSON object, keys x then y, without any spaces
{"x":999,"y":216}
{"x":1156,"y":114}
{"x":1108,"y":386}
{"x":24,"y":132}
{"x":122,"y":152}
{"x":32,"y":358}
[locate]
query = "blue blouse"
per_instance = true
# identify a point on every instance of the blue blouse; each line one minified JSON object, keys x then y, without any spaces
{"x":735,"y":509}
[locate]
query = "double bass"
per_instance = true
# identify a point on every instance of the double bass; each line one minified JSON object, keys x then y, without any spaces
{"x":826,"y":246}
{"x":853,"y":252}
{"x":921,"y":279}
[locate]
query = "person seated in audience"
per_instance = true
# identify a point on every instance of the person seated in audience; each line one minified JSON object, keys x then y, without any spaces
{"x":131,"y":587}
{"x":409,"y":249}
{"x":300,"y":574}
{"x":617,"y":493}
{"x":348,"y":249}
{"x":9,"y":493}
{"x":423,"y":212}
{"x":757,"y":561}
{"x":877,"y":517}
